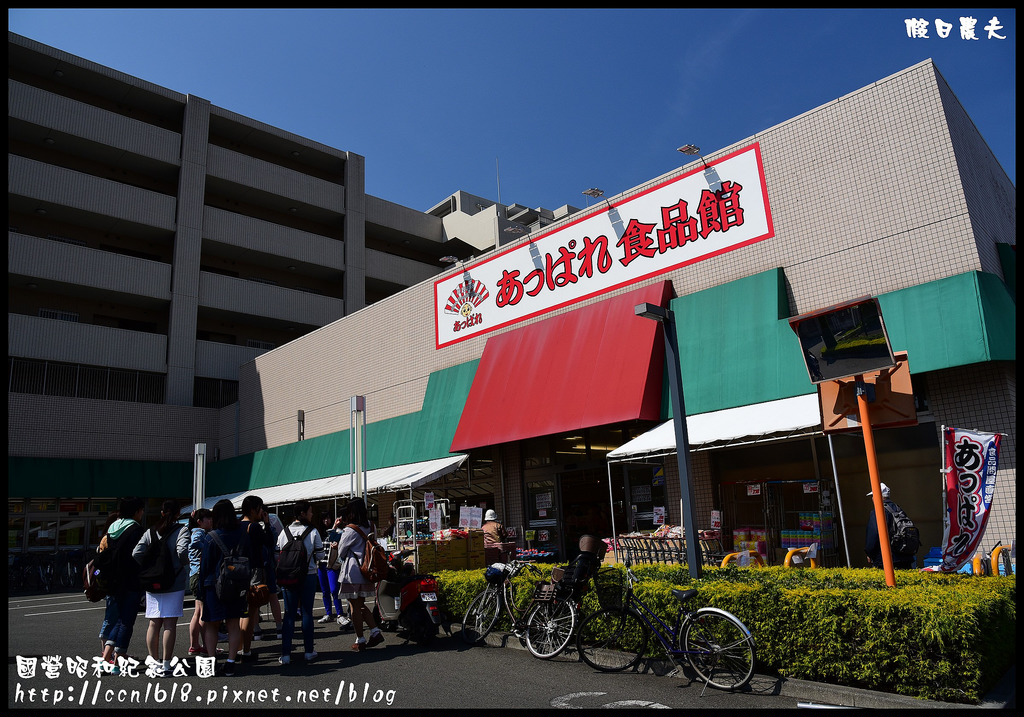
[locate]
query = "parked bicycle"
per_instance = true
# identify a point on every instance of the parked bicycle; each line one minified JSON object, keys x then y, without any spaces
{"x":501,"y":593}
{"x":718,"y":646}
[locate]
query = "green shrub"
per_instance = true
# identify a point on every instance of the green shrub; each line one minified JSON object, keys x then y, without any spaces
{"x":933,"y":636}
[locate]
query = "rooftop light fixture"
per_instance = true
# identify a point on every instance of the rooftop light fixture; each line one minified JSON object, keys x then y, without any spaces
{"x":694,"y":151}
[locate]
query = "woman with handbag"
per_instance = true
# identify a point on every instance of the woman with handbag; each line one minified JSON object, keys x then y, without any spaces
{"x":327,"y":571}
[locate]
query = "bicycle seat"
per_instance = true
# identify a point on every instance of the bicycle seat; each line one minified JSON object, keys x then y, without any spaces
{"x":683,"y":595}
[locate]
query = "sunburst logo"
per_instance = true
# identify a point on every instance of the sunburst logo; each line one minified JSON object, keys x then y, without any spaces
{"x":466,"y":297}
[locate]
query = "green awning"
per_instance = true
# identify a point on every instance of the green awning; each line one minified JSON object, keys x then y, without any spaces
{"x":414,"y":437}
{"x":736,"y":346}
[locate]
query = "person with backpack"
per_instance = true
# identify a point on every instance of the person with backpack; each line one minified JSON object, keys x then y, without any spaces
{"x":254,"y":514}
{"x":299,"y":549}
{"x":275,"y":527}
{"x":162,"y":553}
{"x":120,"y":573}
{"x":327,"y":571}
{"x":225,"y":571}
{"x":354,"y":587}
{"x":199,"y":524}
{"x":904,"y":539}
{"x":110,"y":605}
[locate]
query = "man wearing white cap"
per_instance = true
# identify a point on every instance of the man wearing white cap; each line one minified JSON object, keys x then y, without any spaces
{"x":904,"y":539}
{"x":494,"y":532}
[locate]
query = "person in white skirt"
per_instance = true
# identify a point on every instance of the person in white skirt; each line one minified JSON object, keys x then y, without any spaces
{"x":164,"y":609}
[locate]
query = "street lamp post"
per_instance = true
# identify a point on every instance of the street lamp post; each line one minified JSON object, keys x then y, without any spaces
{"x":675,"y":384}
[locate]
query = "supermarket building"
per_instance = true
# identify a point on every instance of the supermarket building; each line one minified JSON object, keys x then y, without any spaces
{"x":507,"y":379}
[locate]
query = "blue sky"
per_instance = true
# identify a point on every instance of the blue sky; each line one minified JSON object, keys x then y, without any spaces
{"x":535,"y":104}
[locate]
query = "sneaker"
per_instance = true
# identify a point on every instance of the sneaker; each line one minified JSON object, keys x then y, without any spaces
{"x":257,"y":635}
{"x":111,"y":668}
{"x":375,"y":639}
{"x":152,"y":661}
{"x":284,"y":659}
{"x":359,"y":646}
{"x":195,"y":651}
{"x":229,"y":669}
{"x":327,"y":618}
{"x":310,"y":656}
{"x":344,"y":622}
{"x":241,"y":656}
{"x":165,"y":672}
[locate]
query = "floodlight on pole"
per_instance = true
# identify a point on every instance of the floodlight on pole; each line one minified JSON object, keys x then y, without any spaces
{"x":666,"y":318}
{"x":593,"y":192}
{"x":694,"y":151}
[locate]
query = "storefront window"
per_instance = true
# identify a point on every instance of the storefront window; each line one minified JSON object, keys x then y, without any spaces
{"x":15,"y":533}
{"x":536,"y":452}
{"x":48,"y":505}
{"x":646,"y":492}
{"x":16,"y":506}
{"x":71,"y":533}
{"x":103,"y":505}
{"x":570,"y":449}
{"x":42,"y":534}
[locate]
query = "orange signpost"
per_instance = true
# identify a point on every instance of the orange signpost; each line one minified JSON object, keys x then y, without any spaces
{"x":876,"y":483}
{"x":847,"y":341}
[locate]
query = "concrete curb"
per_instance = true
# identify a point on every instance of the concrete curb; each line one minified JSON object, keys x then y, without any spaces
{"x":816,"y":694}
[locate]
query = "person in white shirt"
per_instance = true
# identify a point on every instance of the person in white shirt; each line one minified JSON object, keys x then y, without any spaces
{"x":303,"y":591}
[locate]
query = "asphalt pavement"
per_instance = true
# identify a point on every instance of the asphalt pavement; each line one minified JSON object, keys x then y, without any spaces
{"x":404,"y":676}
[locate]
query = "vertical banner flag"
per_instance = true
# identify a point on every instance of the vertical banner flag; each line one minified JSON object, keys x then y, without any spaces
{"x":969,"y":467}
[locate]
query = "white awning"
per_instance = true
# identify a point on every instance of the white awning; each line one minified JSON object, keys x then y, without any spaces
{"x":771,"y":420}
{"x":379,"y":480}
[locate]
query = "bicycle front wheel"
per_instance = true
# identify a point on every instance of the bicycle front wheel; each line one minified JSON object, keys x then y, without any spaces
{"x":549,"y":628}
{"x":481,"y":616}
{"x":612,"y":640}
{"x":720,"y":648}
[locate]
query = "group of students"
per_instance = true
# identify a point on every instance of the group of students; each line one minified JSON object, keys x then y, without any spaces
{"x":196,"y":553}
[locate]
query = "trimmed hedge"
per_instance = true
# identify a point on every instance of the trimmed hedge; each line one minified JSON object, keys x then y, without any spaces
{"x":933,"y":636}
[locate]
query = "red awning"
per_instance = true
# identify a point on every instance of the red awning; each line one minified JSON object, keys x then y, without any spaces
{"x":594,"y":366}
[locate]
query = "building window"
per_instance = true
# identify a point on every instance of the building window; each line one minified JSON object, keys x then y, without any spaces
{"x":58,"y":314}
{"x":52,"y":378}
{"x":214,"y":392}
{"x":255,"y":344}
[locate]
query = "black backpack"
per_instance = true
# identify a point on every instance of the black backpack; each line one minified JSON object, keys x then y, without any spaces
{"x":293,"y":563}
{"x":234,"y":572}
{"x":157,"y":573}
{"x":905,"y":538}
{"x":106,"y":566}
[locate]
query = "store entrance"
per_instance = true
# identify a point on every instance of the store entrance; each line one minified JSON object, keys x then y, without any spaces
{"x":585,"y":507}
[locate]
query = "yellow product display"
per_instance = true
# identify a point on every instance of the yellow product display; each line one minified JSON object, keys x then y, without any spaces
{"x":476,"y":540}
{"x":476,"y":559}
{"x":457,"y":547}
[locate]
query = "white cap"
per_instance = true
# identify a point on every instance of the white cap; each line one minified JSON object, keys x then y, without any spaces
{"x":885,"y":491}
{"x":490,"y":515}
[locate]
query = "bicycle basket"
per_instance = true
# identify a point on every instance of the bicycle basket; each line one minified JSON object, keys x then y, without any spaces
{"x":608,"y":584}
{"x":557,"y":573}
{"x":545,"y":592}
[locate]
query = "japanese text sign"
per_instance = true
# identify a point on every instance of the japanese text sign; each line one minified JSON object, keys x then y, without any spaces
{"x":970,"y":460}
{"x":678,"y":222}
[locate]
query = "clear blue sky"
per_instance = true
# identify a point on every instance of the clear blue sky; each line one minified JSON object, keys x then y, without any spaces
{"x":551,"y":102}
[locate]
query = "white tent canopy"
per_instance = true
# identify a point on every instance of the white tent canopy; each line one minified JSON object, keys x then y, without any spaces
{"x":773,"y":419}
{"x":393,"y":478}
